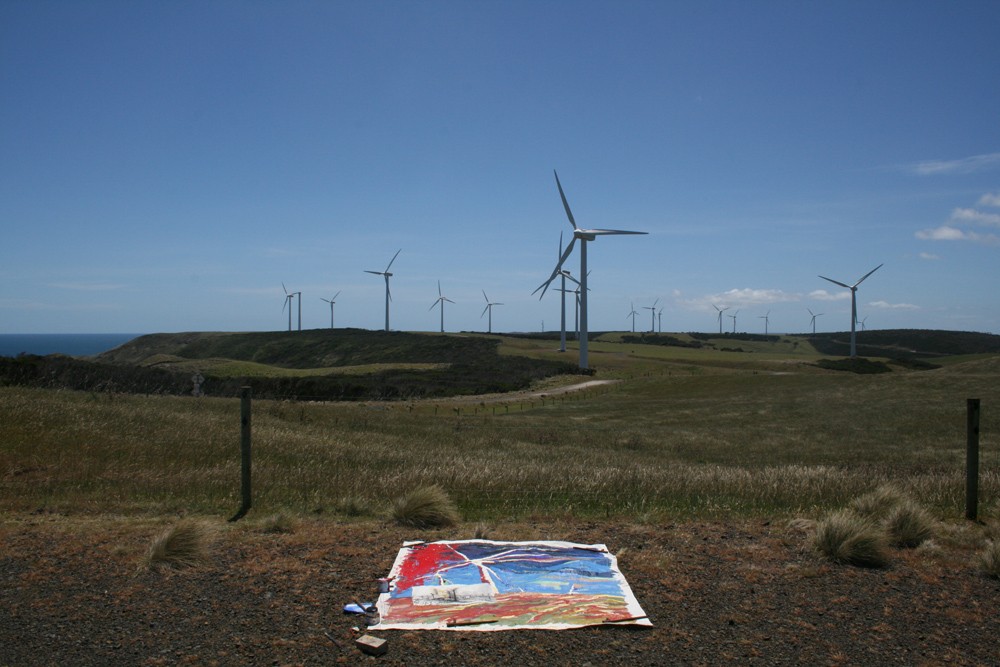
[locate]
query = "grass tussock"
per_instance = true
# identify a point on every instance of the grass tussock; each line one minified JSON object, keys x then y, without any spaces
{"x":989,"y":559}
{"x":280,"y":522}
{"x":185,"y":544}
{"x":426,"y":507}
{"x":880,"y":503}
{"x":844,"y":537}
{"x":354,"y":506}
{"x":909,"y":525}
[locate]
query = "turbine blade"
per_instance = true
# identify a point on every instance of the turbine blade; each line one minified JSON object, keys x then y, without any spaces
{"x":335,"y":296}
{"x":434,"y":304}
{"x":484,"y":311}
{"x":569,"y":213}
{"x":486,"y":297}
{"x":607,"y":232}
{"x":439,"y":288}
{"x":393,"y":259}
{"x":377,"y":273}
{"x":555,"y":272}
{"x":836,"y":282}
{"x":868,"y":274}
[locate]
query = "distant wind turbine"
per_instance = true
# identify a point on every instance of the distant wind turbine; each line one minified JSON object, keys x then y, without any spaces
{"x":766,"y":320}
{"x":813,"y":321}
{"x":854,"y":304}
{"x":632,"y":314}
{"x":489,"y":309}
{"x":721,"y":310}
{"x":862,"y":322}
{"x":562,"y":308}
{"x":386,"y":275}
{"x":659,"y":318}
{"x":584,"y":236}
{"x":652,"y":309}
{"x":331,"y":302}
{"x":734,"y":319}
{"x":440,"y":301}
{"x":288,"y":304}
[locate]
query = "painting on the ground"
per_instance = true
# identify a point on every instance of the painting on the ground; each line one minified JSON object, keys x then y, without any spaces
{"x":487,"y":585}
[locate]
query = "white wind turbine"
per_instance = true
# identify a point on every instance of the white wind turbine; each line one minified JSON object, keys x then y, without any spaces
{"x":721,"y":310}
{"x":632,"y":314}
{"x":562,"y":309}
{"x":813,"y":321}
{"x":659,"y":319}
{"x":734,"y":319}
{"x":288,"y":303}
{"x":440,"y":301}
{"x":584,"y":235}
{"x":331,"y":301}
{"x":489,"y":308}
{"x":862,"y":322}
{"x":766,"y":319}
{"x":652,"y":309}
{"x":854,"y":304}
{"x":386,"y":275}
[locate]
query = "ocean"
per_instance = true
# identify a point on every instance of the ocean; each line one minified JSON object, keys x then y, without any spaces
{"x":74,"y":345}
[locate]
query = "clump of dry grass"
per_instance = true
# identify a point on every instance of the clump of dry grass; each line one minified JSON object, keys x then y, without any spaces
{"x":909,"y":525}
{"x":354,"y":506}
{"x":426,"y":507}
{"x":184,"y":544}
{"x":989,"y":559}
{"x":845,"y":537}
{"x":483,"y":531}
{"x":280,"y":522}
{"x":879,"y":503}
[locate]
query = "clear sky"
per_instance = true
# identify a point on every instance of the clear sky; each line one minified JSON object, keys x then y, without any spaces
{"x":165,"y":166}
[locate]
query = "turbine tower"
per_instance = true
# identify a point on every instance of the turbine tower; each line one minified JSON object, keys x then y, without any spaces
{"x":386,"y":275}
{"x":721,"y":310}
{"x":854,"y":304}
{"x":652,"y":309}
{"x":489,"y":308}
{"x":766,"y":320}
{"x":288,"y":304}
{"x":813,"y":321}
{"x":659,"y":318}
{"x":440,"y":301}
{"x":299,"y":295}
{"x":584,"y":236}
{"x":331,"y":302}
{"x":734,"y":319}
{"x":632,"y":314}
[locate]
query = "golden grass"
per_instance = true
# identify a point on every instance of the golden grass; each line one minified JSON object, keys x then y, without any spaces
{"x":426,"y":507}
{"x":844,"y":537}
{"x":185,"y":544}
{"x":989,"y":559}
{"x":672,"y":441}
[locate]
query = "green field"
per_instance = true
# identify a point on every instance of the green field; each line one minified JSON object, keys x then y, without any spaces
{"x":682,"y":432}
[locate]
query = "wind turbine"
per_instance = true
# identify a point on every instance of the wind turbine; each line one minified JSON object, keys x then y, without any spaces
{"x":734,"y":319}
{"x":288,"y":303}
{"x":659,"y":318}
{"x":440,"y":300}
{"x":652,"y":309}
{"x":584,"y":235}
{"x":331,"y":302}
{"x":386,"y":275}
{"x":854,"y":304}
{"x":813,"y":322}
{"x":632,"y":315}
{"x":489,"y":308}
{"x":562,"y":310}
{"x":721,"y":310}
{"x":862,"y":322}
{"x":766,"y":320}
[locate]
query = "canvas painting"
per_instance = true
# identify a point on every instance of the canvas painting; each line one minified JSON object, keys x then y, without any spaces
{"x":488,"y":585}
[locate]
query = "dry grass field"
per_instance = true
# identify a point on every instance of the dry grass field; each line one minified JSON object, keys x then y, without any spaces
{"x":705,"y":473}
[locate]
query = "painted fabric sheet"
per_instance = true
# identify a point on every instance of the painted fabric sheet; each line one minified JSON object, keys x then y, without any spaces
{"x":486,"y":585}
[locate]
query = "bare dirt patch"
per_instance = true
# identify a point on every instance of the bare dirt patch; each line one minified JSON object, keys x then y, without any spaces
{"x":748,"y":591}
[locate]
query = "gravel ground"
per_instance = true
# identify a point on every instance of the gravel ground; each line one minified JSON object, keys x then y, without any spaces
{"x":75,"y":592}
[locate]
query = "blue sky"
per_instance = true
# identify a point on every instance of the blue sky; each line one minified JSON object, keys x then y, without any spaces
{"x":166,"y":166}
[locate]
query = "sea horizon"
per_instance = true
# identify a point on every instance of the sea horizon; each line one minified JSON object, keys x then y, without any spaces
{"x":74,"y":345}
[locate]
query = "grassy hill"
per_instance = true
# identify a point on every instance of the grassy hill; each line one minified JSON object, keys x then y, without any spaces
{"x":322,"y":364}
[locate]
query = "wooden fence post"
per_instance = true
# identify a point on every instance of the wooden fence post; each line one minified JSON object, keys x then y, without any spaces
{"x":972,"y":459}
{"x":245,"y":469}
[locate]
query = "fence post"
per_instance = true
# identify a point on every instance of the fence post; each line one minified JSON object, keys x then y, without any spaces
{"x":972,"y":458}
{"x":245,"y":469}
